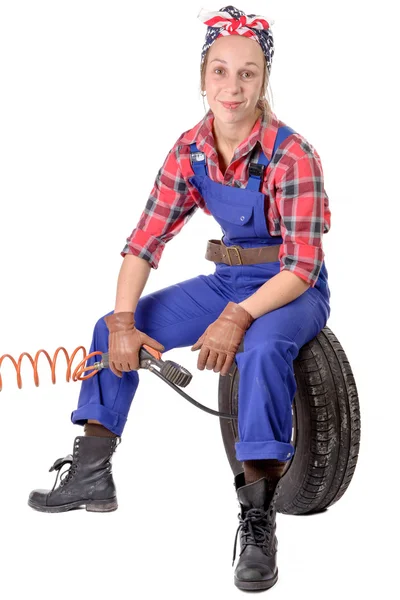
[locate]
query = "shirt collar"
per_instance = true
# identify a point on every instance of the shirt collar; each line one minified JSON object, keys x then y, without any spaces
{"x":264,"y":131}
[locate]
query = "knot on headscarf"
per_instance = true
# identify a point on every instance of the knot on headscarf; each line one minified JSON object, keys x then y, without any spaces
{"x":236,"y":23}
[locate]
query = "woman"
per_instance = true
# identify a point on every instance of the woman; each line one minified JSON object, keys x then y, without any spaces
{"x":263,"y":183}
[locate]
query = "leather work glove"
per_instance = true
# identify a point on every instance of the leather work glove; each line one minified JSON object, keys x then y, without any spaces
{"x":221,"y":340}
{"x":125,"y":341}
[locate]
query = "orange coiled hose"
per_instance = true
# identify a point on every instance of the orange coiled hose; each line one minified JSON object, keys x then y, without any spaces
{"x":76,"y":375}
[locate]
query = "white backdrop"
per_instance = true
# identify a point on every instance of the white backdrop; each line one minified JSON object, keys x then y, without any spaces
{"x":93,"y":95}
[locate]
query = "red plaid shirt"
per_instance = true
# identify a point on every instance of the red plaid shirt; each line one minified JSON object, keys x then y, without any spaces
{"x":296,"y":204}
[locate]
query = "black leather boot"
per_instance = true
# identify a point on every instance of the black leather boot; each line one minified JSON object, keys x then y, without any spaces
{"x":88,"y":482}
{"x":256,"y":568}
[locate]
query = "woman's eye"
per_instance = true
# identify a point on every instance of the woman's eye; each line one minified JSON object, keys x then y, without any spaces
{"x":248,"y":73}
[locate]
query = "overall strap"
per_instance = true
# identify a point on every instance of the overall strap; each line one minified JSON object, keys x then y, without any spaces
{"x":198,"y":161}
{"x":256,"y":170}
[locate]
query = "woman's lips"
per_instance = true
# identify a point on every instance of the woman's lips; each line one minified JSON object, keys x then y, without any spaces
{"x":231,"y":105}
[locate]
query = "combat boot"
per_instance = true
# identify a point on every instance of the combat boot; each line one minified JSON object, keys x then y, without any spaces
{"x":88,"y":481}
{"x":256,"y":568}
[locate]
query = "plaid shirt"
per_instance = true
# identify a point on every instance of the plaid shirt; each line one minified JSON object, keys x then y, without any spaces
{"x":296,"y":205}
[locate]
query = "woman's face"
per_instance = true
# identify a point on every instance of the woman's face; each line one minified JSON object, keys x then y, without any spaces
{"x":234,"y":74}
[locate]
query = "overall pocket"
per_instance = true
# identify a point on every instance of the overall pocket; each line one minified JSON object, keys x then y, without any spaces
{"x":235,"y":219}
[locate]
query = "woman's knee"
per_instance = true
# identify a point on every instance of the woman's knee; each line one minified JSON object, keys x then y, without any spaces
{"x":272,"y":346}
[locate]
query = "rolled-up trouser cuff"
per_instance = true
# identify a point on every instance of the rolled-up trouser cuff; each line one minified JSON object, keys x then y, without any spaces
{"x":108,"y":418}
{"x":269,"y":449}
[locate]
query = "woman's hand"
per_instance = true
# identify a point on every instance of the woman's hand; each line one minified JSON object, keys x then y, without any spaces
{"x":125,"y":341}
{"x":221,"y":340}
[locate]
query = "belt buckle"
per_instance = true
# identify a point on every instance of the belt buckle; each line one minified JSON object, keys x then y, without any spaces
{"x":236,"y":248}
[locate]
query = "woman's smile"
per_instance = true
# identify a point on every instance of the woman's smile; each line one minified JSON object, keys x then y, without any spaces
{"x":231,"y":105}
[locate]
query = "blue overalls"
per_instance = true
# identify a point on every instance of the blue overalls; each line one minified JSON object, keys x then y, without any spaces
{"x":178,"y":315}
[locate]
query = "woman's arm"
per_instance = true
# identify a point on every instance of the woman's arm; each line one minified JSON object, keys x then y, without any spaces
{"x":169,"y":207}
{"x":304,"y":213}
{"x":282,"y":288}
{"x":132,"y":279}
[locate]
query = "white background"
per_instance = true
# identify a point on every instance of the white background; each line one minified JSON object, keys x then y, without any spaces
{"x":93,"y":95}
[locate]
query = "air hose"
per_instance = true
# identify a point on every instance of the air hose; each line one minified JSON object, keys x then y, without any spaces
{"x":169,"y":371}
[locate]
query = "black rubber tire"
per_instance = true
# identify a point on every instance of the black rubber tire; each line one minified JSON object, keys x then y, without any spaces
{"x":326,"y":427}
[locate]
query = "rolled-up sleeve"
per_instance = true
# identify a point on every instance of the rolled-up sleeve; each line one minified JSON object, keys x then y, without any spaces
{"x":301,"y":200}
{"x":169,"y":206}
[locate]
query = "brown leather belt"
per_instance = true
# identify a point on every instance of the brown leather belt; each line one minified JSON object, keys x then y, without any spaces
{"x":236,"y":255}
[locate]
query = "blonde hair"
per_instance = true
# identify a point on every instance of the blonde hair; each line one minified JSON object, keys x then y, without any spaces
{"x":263,"y":103}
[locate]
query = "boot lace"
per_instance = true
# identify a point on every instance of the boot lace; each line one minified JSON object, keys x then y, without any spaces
{"x":69,"y":459}
{"x":66,"y":475}
{"x":256,"y":529}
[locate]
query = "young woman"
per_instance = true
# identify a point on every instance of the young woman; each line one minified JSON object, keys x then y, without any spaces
{"x":263,"y":183}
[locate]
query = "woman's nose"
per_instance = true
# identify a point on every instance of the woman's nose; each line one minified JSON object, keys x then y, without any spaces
{"x":232,"y":84}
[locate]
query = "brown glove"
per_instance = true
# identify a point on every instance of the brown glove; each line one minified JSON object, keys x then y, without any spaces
{"x":125,"y":341}
{"x":221,"y":340}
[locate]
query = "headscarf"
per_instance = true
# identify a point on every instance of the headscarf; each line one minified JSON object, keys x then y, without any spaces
{"x":232,"y":21}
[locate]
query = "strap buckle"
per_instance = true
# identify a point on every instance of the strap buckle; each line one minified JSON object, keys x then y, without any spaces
{"x":236,"y":249}
{"x":197,"y":156}
{"x":256,"y":169}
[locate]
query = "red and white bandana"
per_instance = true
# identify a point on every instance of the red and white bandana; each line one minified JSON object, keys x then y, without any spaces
{"x":232,"y":21}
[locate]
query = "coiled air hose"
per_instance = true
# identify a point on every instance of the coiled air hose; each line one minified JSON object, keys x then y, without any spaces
{"x":169,"y":371}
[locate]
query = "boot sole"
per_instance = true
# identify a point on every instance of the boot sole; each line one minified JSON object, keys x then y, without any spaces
{"x":255,"y":585}
{"x":90,"y":505}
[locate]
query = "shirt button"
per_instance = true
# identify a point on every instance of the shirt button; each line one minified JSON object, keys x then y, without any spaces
{"x":242,"y":218}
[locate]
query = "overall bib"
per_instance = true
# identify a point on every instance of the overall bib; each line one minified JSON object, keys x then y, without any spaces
{"x":178,"y":315}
